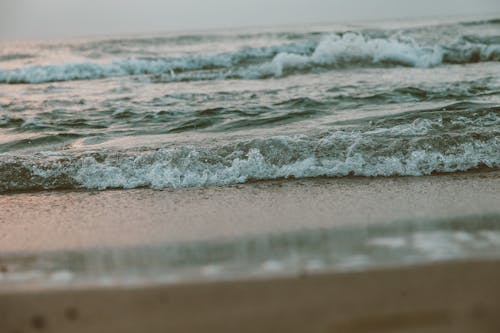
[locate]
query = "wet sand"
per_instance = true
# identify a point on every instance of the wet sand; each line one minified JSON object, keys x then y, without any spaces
{"x":453,"y":296}
{"x":31,"y":222}
{"x":447,"y":297}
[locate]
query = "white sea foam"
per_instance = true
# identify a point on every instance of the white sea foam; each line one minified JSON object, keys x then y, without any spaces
{"x":340,"y":154}
{"x":163,"y":173}
{"x":352,"y":48}
{"x":332,"y":51}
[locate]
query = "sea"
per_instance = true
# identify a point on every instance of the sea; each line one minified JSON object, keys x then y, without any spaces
{"x":220,"y":107}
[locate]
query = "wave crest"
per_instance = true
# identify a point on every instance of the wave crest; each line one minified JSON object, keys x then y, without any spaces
{"x":332,"y":51}
{"x":410,"y":149}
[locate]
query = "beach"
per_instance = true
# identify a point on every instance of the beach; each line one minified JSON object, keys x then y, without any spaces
{"x":446,"y":297}
{"x":447,"y":294}
{"x":60,"y":220}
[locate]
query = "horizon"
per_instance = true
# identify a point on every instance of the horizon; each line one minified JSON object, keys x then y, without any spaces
{"x":54,"y":19}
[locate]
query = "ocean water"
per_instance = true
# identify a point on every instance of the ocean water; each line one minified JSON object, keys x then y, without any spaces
{"x":225,"y":107}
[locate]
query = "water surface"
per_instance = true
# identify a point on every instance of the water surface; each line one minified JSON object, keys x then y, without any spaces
{"x":176,"y":110}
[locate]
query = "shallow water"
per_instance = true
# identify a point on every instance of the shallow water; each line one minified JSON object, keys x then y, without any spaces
{"x":399,"y":243}
{"x":227,"y":107}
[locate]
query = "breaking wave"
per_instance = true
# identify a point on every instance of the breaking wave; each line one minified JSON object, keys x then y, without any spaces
{"x":406,"y":149}
{"x":330,"y":52}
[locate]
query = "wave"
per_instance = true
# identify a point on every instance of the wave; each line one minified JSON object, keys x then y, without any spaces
{"x":125,"y":45}
{"x":333,"y":51}
{"x":15,"y":56}
{"x":493,"y":21}
{"x":390,"y":148}
{"x":152,"y":65}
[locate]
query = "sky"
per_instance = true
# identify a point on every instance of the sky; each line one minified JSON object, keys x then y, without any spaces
{"x":34,"y":19}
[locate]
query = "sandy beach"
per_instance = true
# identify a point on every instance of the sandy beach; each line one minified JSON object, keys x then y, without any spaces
{"x":447,"y":297}
{"x":433,"y":296}
{"x":57,"y":220}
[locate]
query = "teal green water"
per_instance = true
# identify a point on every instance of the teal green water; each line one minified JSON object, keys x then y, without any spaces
{"x":222,"y":108}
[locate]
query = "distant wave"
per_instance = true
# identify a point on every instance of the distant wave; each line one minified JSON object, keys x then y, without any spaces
{"x":331,"y":52}
{"x":15,"y":56}
{"x":482,"y":22}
